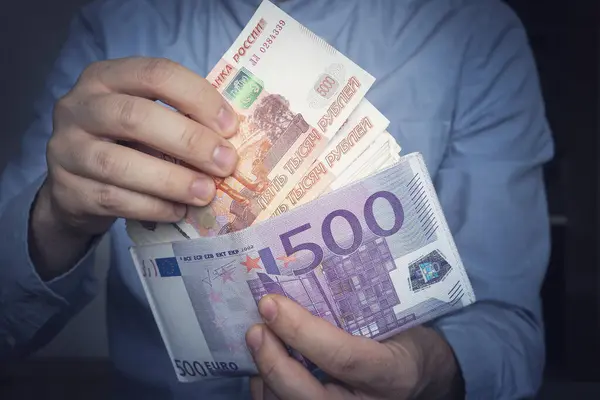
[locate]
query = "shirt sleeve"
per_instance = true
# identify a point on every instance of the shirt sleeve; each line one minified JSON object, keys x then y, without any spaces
{"x":490,"y":184}
{"x":33,"y":311}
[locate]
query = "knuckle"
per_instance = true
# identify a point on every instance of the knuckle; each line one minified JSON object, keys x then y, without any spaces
{"x":291,"y":329}
{"x":55,"y":152}
{"x":57,"y":190}
{"x":64,"y":149}
{"x":270,"y":371}
{"x":193,"y":141}
{"x":155,"y":209}
{"x":66,"y":197}
{"x":63,"y":109}
{"x":127,"y":113}
{"x":162,"y":210}
{"x":91,"y":72}
{"x":156,"y":71}
{"x":200,"y":91}
{"x":104,"y":164}
{"x":58,"y":187}
{"x":62,"y":105}
{"x":78,"y":154}
{"x":53,"y":149}
{"x":167,"y":180}
{"x":107,"y":198}
{"x":294,"y":330}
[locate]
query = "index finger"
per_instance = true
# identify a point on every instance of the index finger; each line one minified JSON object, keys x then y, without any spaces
{"x":169,"y":82}
{"x":352,"y":359}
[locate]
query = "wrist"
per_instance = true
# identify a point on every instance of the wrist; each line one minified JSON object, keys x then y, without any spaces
{"x":45,"y":217}
{"x":54,"y":246}
{"x":439,"y":375}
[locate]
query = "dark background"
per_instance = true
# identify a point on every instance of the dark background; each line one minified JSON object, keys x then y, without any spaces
{"x":564,"y":38}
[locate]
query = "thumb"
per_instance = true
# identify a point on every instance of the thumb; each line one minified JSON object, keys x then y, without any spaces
{"x":351,"y":359}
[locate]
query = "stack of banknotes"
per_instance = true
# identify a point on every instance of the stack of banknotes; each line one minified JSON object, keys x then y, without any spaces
{"x":321,"y":208}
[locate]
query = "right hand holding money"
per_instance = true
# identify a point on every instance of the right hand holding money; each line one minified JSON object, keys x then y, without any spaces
{"x":93,"y":178}
{"x":360,"y":368}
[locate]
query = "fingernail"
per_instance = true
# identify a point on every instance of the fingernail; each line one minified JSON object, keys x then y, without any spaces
{"x":254,"y":338}
{"x":267,"y":309}
{"x":225,"y":157}
{"x":180,"y":210}
{"x":203,"y":188}
{"x":227,"y":119}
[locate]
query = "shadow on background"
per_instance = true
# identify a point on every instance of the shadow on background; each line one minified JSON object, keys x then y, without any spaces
{"x":564,"y":39}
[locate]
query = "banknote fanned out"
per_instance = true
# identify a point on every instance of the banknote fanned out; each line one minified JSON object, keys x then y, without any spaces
{"x":292,"y":92}
{"x":374,"y":265}
{"x":361,"y":129}
{"x":382,"y":153}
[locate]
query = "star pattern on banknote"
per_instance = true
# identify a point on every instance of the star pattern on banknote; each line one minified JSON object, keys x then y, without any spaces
{"x":287,"y":260}
{"x":219,"y":322}
{"x":251,"y":263}
{"x":237,"y":347}
{"x":227,"y":275}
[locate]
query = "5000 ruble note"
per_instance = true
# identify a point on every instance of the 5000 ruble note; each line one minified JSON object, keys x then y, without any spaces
{"x":292,"y":92}
{"x":361,"y":129}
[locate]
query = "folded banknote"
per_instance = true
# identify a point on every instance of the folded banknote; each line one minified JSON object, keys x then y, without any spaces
{"x":374,"y":258}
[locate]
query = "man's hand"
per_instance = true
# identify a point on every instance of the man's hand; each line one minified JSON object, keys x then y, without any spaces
{"x":417,"y":363}
{"x":93,"y":179}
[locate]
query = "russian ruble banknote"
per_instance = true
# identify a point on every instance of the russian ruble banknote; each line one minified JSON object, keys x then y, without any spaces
{"x":292,"y":92}
{"x":328,"y":173}
{"x":374,"y":258}
{"x":360,"y":131}
{"x":381,"y":154}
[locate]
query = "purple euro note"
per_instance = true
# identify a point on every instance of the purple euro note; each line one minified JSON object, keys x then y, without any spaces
{"x":373,"y":258}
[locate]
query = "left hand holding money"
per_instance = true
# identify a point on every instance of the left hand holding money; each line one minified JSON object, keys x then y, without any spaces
{"x":414,"y":364}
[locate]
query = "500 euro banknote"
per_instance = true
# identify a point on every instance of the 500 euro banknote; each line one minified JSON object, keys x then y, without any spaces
{"x":374,"y":265}
{"x":292,"y":92}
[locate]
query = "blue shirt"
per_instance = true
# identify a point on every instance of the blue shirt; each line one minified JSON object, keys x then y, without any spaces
{"x":458,"y":82}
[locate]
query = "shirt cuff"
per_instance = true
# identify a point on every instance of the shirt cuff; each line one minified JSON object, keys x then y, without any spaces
{"x":26,"y":302}
{"x":473,"y":351}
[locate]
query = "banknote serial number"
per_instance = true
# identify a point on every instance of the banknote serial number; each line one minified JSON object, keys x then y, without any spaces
{"x":268,"y":41}
{"x":217,"y":254}
{"x":187,"y":368}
